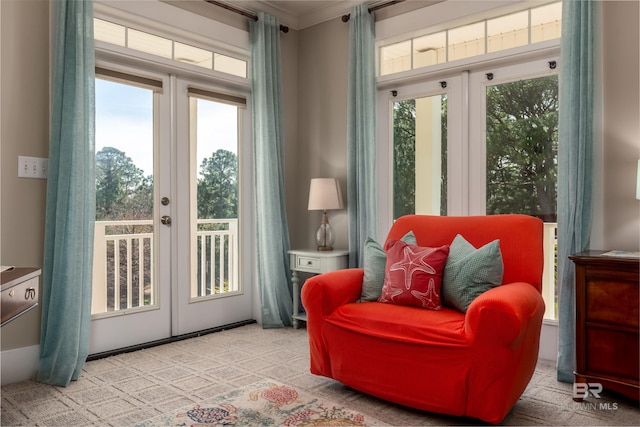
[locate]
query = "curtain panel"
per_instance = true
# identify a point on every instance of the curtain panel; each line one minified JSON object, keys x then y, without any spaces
{"x":70,"y":208}
{"x":268,"y":136}
{"x":361,"y":133}
{"x":575,"y":165}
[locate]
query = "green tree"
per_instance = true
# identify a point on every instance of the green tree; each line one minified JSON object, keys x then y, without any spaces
{"x":218,"y":186}
{"x":404,"y":157}
{"x":122,"y":190}
{"x":522,"y":147}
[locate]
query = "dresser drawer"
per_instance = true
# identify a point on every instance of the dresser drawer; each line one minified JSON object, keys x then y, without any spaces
{"x":19,"y":293}
{"x":612,"y":302}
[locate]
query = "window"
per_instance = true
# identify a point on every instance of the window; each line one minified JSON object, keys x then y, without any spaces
{"x":476,"y":38}
{"x":477,"y":141}
{"x":141,"y":41}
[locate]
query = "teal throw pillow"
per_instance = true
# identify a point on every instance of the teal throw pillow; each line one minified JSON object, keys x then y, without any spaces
{"x":469,"y":272}
{"x":374,"y":262}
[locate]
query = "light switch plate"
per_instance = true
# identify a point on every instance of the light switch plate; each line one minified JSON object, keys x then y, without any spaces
{"x":33,"y":167}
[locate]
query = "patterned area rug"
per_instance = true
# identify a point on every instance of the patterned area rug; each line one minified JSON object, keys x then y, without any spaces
{"x":264,"y":403}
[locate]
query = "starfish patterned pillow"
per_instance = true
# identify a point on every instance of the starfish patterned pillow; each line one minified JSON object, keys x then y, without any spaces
{"x":413,"y":275}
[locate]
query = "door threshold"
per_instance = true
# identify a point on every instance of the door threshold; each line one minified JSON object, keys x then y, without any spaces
{"x":168,"y":340}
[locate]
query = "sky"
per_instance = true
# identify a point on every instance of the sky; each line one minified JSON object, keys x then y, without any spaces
{"x":124,"y":120}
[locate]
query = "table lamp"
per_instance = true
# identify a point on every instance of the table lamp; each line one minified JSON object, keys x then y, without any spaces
{"x":324,"y":195}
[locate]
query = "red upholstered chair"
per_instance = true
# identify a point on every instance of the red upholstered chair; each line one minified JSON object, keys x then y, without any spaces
{"x":476,"y":364}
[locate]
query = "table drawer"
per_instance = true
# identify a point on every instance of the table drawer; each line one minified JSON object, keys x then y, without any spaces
{"x":308,"y":264}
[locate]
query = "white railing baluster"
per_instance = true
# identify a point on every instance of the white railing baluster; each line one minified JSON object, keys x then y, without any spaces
{"x":116,"y":274}
{"x":129,"y":271}
{"x":152,"y":271}
{"x":203,"y":265}
{"x":213,"y":271}
{"x":140,"y":272}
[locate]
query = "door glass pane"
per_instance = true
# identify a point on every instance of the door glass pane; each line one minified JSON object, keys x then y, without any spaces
{"x":420,"y":156}
{"x":123,"y":242}
{"x":522,"y":160}
{"x":214,"y":143}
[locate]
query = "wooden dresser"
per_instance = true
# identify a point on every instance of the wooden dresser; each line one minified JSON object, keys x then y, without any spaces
{"x":607,"y":343}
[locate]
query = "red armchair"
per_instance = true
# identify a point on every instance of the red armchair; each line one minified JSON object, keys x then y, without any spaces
{"x":476,"y":364}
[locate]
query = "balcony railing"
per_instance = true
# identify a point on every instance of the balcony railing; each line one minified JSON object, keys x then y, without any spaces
{"x":216,"y":268}
{"x":123,"y":263}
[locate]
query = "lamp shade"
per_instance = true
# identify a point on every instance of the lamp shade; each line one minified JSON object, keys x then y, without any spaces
{"x":324,"y":194}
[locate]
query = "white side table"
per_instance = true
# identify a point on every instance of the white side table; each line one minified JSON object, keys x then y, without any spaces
{"x":313,"y":261}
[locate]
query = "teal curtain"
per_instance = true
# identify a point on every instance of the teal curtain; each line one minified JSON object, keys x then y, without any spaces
{"x":361,"y":133}
{"x":70,"y":211}
{"x":575,"y":165}
{"x":268,"y":136}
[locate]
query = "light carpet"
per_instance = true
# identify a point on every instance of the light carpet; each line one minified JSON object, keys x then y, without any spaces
{"x":265,"y":403}
{"x":130,"y":388}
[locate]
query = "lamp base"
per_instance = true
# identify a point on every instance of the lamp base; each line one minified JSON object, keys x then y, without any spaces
{"x":325,"y":236}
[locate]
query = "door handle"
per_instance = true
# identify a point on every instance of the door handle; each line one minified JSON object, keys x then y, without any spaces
{"x":166,"y":220}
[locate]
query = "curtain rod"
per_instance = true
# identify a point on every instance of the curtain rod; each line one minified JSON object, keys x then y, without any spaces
{"x":242,"y":12}
{"x":345,"y":18}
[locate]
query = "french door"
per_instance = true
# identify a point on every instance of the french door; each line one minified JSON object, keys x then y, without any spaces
{"x":168,"y":235}
{"x":475,"y":142}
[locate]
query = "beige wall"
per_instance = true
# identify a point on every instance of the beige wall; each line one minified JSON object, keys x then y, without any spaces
{"x":621,"y":136}
{"x":322,"y":127}
{"x":24,"y":116}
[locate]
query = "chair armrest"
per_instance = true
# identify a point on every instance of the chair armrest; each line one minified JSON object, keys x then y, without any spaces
{"x":503,"y":315}
{"x":321,"y":296}
{"x":323,"y":293}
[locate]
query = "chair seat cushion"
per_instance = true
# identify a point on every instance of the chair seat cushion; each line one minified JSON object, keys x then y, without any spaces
{"x":401,"y":323}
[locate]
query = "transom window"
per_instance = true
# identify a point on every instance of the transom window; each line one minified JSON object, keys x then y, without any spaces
{"x":131,"y":38}
{"x":490,"y":35}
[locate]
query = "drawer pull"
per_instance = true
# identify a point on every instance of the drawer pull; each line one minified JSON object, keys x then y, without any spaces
{"x":30,"y":293}
{"x":12,"y":293}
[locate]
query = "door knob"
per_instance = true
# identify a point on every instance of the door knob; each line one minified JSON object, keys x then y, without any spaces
{"x":166,"y":220}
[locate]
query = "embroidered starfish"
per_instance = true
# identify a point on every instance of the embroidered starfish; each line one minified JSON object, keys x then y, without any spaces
{"x":411,"y":262}
{"x":427,"y":298}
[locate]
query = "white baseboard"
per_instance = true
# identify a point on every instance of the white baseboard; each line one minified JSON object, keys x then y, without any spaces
{"x":549,"y":341}
{"x":19,"y":364}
